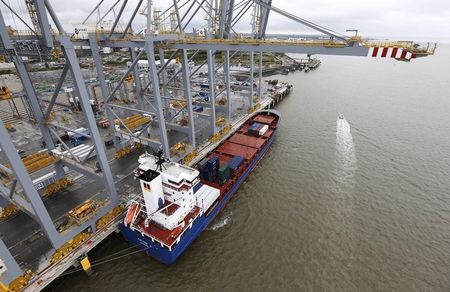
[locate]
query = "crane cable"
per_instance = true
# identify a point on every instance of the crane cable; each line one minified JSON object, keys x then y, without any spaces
{"x":107,"y":259}
{"x":13,"y":19}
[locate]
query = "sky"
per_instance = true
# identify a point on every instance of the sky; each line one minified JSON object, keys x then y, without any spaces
{"x":426,"y":20}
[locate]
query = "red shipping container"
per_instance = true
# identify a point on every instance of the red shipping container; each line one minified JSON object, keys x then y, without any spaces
{"x":247,"y":140}
{"x":236,"y":149}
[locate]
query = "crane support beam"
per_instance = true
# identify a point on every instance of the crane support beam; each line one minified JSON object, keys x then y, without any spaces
{"x":46,"y":33}
{"x":276,"y":48}
{"x":302,"y":21}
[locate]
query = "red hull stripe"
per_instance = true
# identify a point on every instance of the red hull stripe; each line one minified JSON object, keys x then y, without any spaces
{"x":394,"y":52}
{"x":383,"y":54}
{"x":403,"y":56}
{"x":375,"y":52}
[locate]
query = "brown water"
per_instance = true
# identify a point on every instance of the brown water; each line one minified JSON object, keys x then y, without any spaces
{"x":361,"y":204}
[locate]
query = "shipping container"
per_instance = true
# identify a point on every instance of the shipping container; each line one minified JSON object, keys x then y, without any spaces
{"x":202,"y":163}
{"x":239,"y":150}
{"x":263,"y":130}
{"x":247,"y":140}
{"x":224,"y":173}
{"x":213,"y":163}
{"x":235,"y":163}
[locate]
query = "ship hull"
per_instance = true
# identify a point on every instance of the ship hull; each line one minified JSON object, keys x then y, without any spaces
{"x":166,"y":256}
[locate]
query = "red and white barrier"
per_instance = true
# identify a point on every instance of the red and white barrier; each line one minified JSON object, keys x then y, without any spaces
{"x":397,"y":53}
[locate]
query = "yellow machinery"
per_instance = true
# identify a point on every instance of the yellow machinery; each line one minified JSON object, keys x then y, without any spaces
{"x":178,"y":148}
{"x":51,"y":117}
{"x":129,"y":78}
{"x":56,"y":54}
{"x":184,"y":121}
{"x":5,"y":93}
{"x":8,"y":211}
{"x":57,"y":186}
{"x":34,"y":162}
{"x":222,"y":101}
{"x":216,"y":137}
{"x":254,"y":108}
{"x":10,"y":127}
{"x":135,"y":121}
{"x":220,"y":121}
{"x":255,"y":98}
{"x":37,"y":161}
{"x":123,"y":152}
{"x":178,"y":104}
{"x":188,"y":158}
{"x":227,"y":128}
{"x":108,"y":217}
{"x":81,"y":212}
{"x":69,"y":246}
{"x":64,"y":119}
{"x":19,"y":283}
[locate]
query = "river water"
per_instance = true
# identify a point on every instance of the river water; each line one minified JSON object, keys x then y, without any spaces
{"x":354,"y":204}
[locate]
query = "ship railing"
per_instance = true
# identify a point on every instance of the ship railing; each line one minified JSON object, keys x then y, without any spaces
{"x":169,"y":247}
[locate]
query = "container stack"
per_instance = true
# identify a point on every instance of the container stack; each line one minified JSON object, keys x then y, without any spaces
{"x":255,"y":128}
{"x":235,"y":163}
{"x":209,"y":170}
{"x":224,"y":174}
{"x":201,"y":166}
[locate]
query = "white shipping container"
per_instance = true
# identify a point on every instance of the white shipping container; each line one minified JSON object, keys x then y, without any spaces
{"x":263,"y":130}
{"x":206,"y":196}
{"x":81,"y":151}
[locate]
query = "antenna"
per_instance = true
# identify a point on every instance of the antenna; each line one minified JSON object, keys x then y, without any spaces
{"x":159,"y":159}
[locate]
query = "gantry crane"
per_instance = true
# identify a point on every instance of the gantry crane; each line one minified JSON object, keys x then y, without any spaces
{"x":169,"y":32}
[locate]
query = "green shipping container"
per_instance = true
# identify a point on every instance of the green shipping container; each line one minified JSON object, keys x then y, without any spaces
{"x":224,"y":172}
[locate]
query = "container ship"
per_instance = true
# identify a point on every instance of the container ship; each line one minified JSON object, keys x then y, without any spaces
{"x":178,"y":202}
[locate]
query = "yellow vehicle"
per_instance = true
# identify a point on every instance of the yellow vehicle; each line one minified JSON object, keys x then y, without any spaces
{"x":178,"y":104}
{"x":129,"y":78}
{"x":10,"y":127}
{"x":5,"y":93}
{"x":222,"y":101}
{"x":220,"y":121}
{"x":178,"y":148}
{"x":83,"y":210}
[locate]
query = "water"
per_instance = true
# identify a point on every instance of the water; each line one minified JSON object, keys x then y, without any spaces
{"x":361,"y":204}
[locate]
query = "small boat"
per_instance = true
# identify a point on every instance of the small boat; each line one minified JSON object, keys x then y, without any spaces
{"x":341,"y":117}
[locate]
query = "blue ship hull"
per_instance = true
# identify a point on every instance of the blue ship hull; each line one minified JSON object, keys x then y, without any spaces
{"x":168,"y":257}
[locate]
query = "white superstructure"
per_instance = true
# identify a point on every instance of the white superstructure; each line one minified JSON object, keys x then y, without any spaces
{"x":170,"y":192}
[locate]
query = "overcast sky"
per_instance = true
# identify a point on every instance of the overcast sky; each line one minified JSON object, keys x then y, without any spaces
{"x":414,"y":19}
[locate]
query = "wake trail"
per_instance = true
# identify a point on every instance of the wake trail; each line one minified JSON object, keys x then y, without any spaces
{"x":345,"y":158}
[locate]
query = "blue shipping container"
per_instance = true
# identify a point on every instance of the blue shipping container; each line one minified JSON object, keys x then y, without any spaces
{"x":235,"y":163}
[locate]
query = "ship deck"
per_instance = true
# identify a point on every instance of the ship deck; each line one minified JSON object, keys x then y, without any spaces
{"x":165,"y":236}
{"x":242,"y":144}
{"x":239,"y":143}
